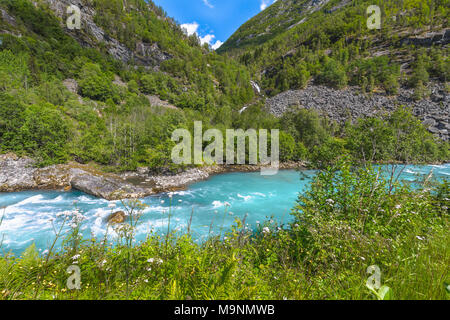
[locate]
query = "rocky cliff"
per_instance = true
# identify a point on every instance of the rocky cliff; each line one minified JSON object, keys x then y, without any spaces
{"x":91,"y":35}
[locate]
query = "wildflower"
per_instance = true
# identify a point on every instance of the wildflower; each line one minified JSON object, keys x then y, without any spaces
{"x":330,"y":202}
{"x":266,"y":230}
{"x":398,"y":207}
{"x":420,"y":238}
{"x":76,"y":257}
{"x":257,"y":222}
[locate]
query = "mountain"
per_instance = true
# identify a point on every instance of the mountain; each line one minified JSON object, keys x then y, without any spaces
{"x":110,"y":94}
{"x":127,"y":58}
{"x":295,"y":45}
{"x":294,"y":41}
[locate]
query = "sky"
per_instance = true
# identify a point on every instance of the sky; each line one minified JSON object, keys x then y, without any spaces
{"x":214,"y":21}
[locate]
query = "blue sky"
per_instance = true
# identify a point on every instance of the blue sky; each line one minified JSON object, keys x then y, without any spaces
{"x":213,"y":20}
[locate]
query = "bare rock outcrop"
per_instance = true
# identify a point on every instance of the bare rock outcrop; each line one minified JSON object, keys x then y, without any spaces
{"x":341,"y":105}
{"x":20,"y":174}
{"x":91,"y":35}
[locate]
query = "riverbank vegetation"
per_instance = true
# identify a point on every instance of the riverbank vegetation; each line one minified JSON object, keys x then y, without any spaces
{"x":349,"y":219}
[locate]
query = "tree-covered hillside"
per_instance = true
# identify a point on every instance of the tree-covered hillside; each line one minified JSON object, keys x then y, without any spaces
{"x":74,"y":98}
{"x":293,"y":42}
{"x":113,"y":92}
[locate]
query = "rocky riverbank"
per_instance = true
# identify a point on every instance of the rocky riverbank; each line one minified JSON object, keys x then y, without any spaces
{"x":20,"y":174}
{"x":341,"y":105}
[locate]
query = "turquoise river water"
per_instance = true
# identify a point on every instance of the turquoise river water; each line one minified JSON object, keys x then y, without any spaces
{"x":27,"y":216}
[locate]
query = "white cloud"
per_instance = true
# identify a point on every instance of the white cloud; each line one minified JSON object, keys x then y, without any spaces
{"x":217,"y":45}
{"x":266,"y":3}
{"x":209,"y":5}
{"x":192,"y":28}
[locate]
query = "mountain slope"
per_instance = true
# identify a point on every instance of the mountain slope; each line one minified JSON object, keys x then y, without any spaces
{"x":111,"y":94}
{"x":274,"y":20}
{"x":293,"y":42}
{"x":90,"y":94}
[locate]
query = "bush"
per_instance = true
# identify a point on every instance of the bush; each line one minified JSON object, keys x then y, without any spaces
{"x":287,"y":146}
{"x":358,"y":213}
{"x":95,"y":85}
{"x":328,"y":153}
{"x":333,"y":74}
{"x":44,"y":135}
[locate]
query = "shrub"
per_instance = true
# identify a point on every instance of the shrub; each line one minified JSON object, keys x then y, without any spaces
{"x":333,"y":74}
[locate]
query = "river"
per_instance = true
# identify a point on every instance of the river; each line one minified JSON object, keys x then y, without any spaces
{"x":215,"y":204}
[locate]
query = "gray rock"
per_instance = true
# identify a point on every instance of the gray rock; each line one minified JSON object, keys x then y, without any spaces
{"x":91,"y":35}
{"x":342,"y":105}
